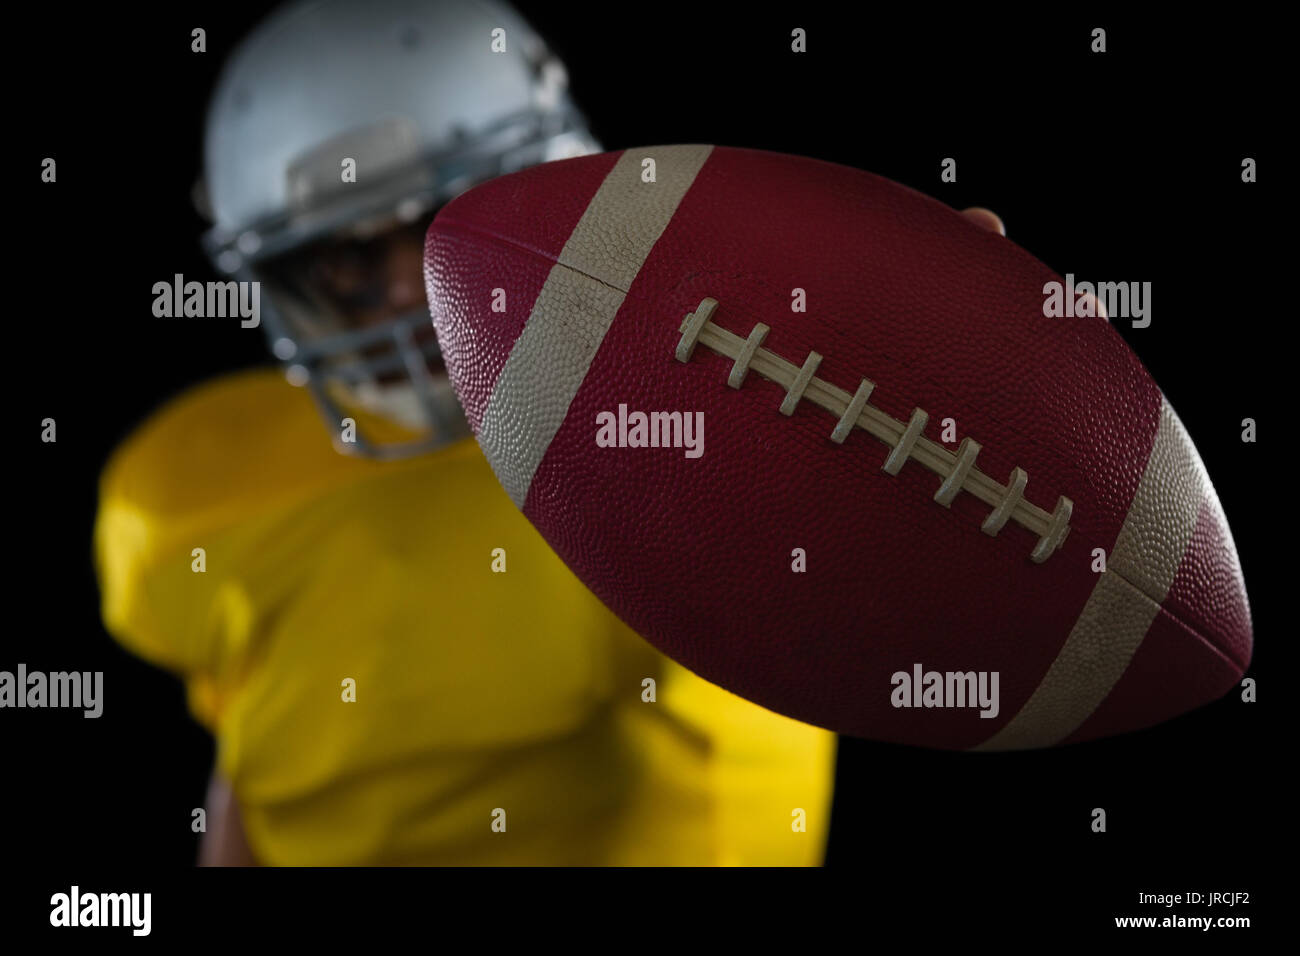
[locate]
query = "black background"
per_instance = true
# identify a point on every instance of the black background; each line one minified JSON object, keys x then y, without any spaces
{"x":1122,"y":166}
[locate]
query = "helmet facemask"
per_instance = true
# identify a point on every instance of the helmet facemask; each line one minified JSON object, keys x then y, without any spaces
{"x":337,"y":125}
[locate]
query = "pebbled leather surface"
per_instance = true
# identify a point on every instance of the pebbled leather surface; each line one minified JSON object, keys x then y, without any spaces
{"x":572,"y":314}
{"x":504,"y":237}
{"x":1175,"y":669}
{"x":695,"y":554}
{"x":1209,"y":586}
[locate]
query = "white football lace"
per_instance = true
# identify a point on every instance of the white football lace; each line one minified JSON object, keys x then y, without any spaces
{"x":905,"y":440}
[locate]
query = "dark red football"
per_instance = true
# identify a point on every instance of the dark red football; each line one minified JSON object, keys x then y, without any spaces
{"x":829,"y":555}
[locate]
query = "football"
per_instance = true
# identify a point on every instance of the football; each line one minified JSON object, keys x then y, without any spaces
{"x":818,"y":438}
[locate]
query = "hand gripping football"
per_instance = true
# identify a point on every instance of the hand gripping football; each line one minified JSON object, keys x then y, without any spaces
{"x":811,"y":434}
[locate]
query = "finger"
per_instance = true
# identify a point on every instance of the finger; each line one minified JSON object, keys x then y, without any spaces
{"x":985,"y":219}
{"x":1098,"y":307}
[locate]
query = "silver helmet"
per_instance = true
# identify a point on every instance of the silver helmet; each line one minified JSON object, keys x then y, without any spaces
{"x":426,"y":99}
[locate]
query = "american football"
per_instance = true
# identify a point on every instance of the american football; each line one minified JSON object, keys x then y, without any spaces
{"x":816,"y":436}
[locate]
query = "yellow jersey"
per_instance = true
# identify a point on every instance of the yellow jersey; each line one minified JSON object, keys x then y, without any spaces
{"x":387,"y":687}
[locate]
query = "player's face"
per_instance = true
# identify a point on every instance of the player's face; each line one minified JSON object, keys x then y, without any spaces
{"x":368,"y":281}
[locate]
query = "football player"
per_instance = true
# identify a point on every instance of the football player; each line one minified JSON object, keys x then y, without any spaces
{"x":395,"y":667}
